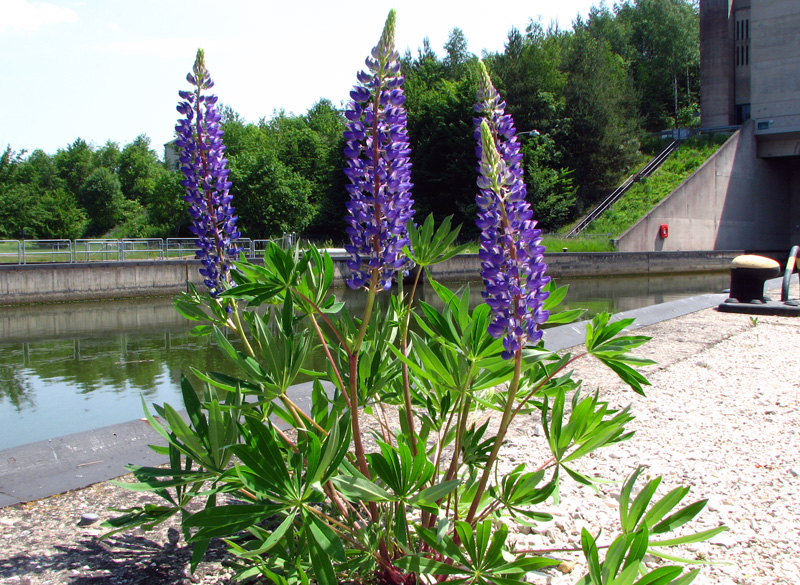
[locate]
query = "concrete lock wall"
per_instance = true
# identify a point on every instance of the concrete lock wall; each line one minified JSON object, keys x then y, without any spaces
{"x":733,"y":201}
{"x":70,"y":282}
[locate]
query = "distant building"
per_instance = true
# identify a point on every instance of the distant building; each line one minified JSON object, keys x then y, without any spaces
{"x":750,"y":69}
{"x":746,"y":196}
{"x":172,"y":156}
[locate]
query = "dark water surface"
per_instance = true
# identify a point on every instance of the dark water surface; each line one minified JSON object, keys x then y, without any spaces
{"x":72,"y":367}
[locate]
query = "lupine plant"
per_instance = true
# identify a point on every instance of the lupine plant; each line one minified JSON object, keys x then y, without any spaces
{"x":395,"y":474}
{"x":203,"y":164}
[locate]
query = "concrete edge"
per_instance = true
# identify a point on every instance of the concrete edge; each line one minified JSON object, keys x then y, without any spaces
{"x":46,"y":468}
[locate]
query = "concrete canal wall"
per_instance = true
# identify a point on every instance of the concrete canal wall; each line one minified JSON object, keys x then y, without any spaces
{"x":96,"y":280}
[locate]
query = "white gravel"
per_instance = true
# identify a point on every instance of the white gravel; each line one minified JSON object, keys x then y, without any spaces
{"x":722,"y":416}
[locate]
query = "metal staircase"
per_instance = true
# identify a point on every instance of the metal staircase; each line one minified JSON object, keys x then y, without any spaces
{"x":646,"y":171}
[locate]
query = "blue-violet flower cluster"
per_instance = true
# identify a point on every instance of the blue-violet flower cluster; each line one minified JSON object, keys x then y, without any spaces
{"x":203,"y":162}
{"x":379,"y":168}
{"x":511,"y":250}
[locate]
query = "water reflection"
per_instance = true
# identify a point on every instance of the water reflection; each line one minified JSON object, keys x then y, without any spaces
{"x":71,"y":367}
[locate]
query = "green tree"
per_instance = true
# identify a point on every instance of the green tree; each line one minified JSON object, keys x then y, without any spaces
{"x":74,"y":165}
{"x":101,"y":196}
{"x":108,"y":156}
{"x":270,"y":198}
{"x":457,"y":54}
{"x":139,"y":169}
{"x":26,"y":211}
{"x":664,"y":36}
{"x":59,"y":216}
{"x":600,"y":137}
{"x":551,"y":190}
{"x":167,"y":213}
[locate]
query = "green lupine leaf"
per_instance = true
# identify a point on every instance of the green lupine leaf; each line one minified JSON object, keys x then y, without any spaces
{"x":430,"y":495}
{"x":660,"y":576}
{"x":687,"y":578}
{"x":191,"y":311}
{"x":193,"y":444}
{"x":271,"y":540}
{"x":592,"y":556}
{"x":581,"y":478}
{"x":224,"y":520}
{"x":562,"y":317}
{"x":627,"y":374}
{"x":526,"y":565}
{"x":638,"y":547}
{"x":676,"y":559}
{"x":664,"y":505}
{"x":360,"y":488}
{"x":327,"y":539}
{"x":624,"y":497}
{"x":201,"y":330}
{"x":680,"y":517}
{"x":689,"y":538}
{"x":556,"y":295}
{"x":320,"y":561}
{"x":422,"y":565}
{"x":639,"y":505}
{"x":614,"y":557}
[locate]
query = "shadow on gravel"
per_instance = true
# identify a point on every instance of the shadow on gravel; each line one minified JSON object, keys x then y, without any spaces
{"x":122,"y":560}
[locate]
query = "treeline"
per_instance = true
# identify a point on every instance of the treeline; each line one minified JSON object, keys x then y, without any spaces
{"x":583,"y":100}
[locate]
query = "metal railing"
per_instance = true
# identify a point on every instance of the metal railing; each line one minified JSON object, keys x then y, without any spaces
{"x":98,"y":250}
{"x":10,"y":249}
{"x":141,"y":249}
{"x":615,"y":195}
{"x":106,"y":250}
{"x":50,"y":251}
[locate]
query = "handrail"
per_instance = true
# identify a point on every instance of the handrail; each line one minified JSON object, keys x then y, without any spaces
{"x":88,"y":249}
{"x":11,"y":243}
{"x":615,"y":195}
{"x":55,"y":249}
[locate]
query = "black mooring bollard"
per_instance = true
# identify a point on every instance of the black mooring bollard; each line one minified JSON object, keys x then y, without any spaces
{"x":748,"y":274}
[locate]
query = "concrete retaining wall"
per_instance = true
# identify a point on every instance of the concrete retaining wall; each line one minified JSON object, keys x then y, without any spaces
{"x":70,"y":282}
{"x":735,"y":200}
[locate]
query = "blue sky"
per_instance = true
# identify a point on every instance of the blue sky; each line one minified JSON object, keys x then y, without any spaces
{"x":111,"y":69}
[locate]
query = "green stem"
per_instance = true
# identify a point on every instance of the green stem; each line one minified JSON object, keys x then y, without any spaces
{"x":498,"y":442}
{"x":371,"y":293}
{"x":541,"y":384}
{"x":239,"y":329}
{"x":293,"y":410}
{"x":406,"y":383}
{"x":300,"y":412}
{"x":329,"y":357}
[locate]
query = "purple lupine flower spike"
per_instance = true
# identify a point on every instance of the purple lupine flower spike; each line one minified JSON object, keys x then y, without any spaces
{"x":378,"y":167}
{"x":203,"y":162}
{"x":511,"y":250}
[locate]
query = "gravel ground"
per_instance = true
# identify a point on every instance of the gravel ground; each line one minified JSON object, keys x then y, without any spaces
{"x":722,"y":415}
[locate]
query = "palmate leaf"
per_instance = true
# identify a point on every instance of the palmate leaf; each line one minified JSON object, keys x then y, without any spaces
{"x":428,"y":247}
{"x":356,"y":488}
{"x":147,"y":517}
{"x":602,"y":342}
{"x":268,"y":540}
{"x":224,"y":520}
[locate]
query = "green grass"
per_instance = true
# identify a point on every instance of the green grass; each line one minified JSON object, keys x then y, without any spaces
{"x":643,"y":196}
{"x":554,"y":243}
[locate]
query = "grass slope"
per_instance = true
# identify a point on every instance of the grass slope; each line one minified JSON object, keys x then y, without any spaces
{"x":643,"y":196}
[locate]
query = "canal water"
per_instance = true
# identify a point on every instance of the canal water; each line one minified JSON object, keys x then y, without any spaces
{"x":72,"y":367}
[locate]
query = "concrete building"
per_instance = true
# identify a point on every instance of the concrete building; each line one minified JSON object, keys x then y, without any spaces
{"x":747,"y":196}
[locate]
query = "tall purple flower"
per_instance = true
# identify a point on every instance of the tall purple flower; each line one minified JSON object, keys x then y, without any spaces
{"x":379,"y":168}
{"x":511,"y":250}
{"x":202,"y":157}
